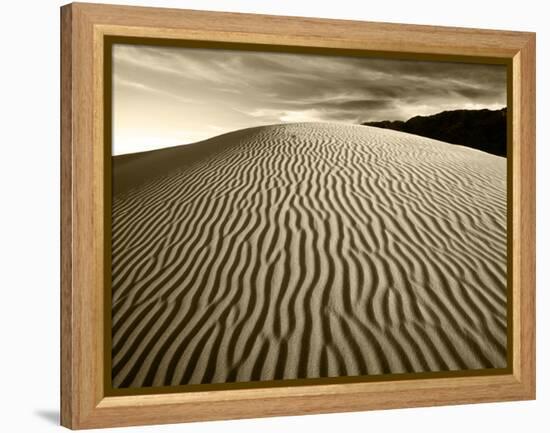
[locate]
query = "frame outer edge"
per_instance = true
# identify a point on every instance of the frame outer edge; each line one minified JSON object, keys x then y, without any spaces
{"x":528,"y":218}
{"x":66,"y":374}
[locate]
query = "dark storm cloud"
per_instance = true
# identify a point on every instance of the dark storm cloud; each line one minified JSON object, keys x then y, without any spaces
{"x":197,"y":93}
{"x":361,"y":104}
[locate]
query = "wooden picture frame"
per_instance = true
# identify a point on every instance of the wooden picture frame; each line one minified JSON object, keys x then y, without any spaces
{"x":84,"y":400}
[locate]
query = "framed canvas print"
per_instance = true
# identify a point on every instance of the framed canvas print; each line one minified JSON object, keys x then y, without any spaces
{"x":266,"y":215}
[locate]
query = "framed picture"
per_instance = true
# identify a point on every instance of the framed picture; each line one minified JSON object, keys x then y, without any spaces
{"x":265,"y":215}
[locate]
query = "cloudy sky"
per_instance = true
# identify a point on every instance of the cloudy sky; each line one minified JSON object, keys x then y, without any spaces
{"x":169,"y":96}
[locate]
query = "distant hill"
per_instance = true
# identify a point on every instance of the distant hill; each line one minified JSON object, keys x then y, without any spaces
{"x":479,"y":129}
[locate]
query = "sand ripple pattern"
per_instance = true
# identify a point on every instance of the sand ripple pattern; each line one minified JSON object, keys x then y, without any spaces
{"x":311,"y":250}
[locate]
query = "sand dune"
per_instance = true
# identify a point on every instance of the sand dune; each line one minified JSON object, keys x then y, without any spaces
{"x":307,"y":250}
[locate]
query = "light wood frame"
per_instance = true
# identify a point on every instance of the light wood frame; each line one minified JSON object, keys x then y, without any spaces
{"x":83,"y":400}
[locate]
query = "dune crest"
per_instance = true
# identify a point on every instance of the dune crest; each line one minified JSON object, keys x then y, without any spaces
{"x":304,"y":251}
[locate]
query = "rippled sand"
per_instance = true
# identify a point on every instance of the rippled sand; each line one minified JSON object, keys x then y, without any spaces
{"x":304,"y":251}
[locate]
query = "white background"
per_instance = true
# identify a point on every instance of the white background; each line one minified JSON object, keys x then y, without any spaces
{"x":29,"y":217}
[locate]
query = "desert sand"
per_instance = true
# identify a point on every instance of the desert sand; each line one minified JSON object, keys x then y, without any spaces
{"x":304,"y":251}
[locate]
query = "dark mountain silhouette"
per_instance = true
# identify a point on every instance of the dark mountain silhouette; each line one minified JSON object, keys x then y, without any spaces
{"x":479,"y":129}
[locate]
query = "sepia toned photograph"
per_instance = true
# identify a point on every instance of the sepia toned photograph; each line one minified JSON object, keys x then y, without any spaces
{"x":280,"y":216}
